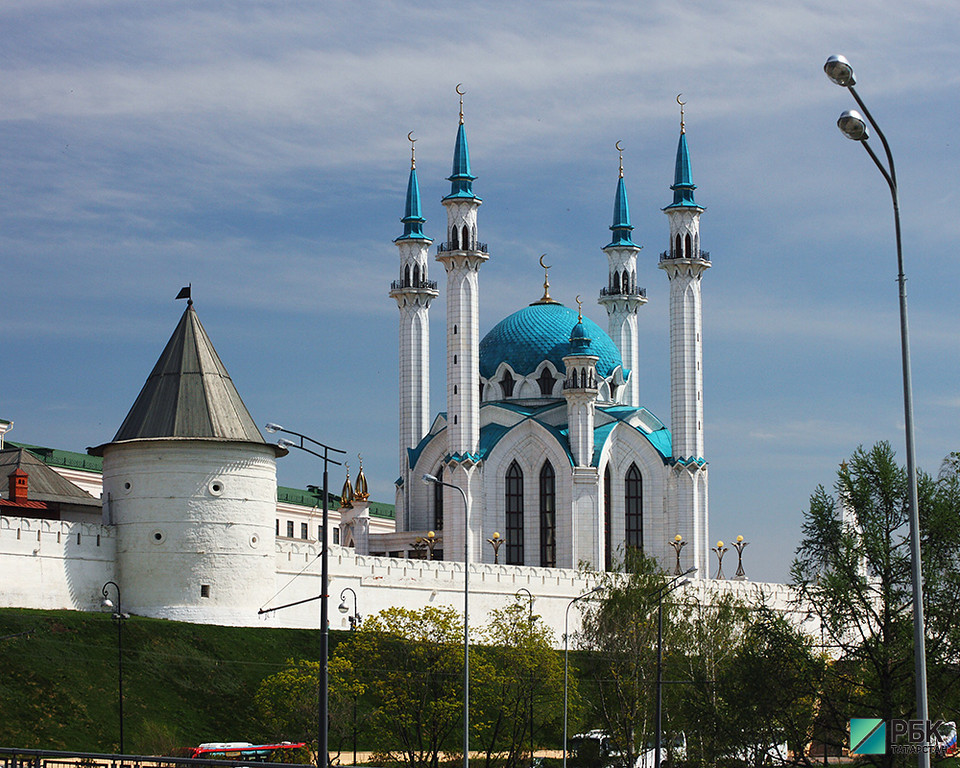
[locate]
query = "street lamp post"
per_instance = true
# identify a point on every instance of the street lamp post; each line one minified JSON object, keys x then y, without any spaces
{"x":566,"y":653}
{"x":852,"y":124}
{"x":323,"y":724}
{"x":530,"y":601}
{"x":118,"y":616}
{"x":666,"y":589}
{"x":354,"y":620}
{"x":431,"y":480}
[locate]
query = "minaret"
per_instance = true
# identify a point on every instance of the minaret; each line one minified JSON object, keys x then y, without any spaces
{"x":580,"y":391}
{"x":684,"y":264}
{"x":413,"y":293}
{"x":462,"y":255}
{"x":622,"y":297}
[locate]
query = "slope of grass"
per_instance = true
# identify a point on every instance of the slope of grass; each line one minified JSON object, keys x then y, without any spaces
{"x":183,"y":683}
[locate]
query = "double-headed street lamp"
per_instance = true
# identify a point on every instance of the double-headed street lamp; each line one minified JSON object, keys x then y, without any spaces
{"x":566,"y":654}
{"x":666,"y":589}
{"x":323,"y":693}
{"x":118,"y":616}
{"x":432,"y":480}
{"x":530,"y":601}
{"x":354,"y":620}
{"x":853,"y":126}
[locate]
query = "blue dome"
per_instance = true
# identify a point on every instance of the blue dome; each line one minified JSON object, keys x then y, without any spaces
{"x":542,"y":332}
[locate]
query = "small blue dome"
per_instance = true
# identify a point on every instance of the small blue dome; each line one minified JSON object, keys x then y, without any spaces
{"x":542,"y":332}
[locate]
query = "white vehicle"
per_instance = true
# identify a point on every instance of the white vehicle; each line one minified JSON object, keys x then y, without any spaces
{"x":597,"y":748}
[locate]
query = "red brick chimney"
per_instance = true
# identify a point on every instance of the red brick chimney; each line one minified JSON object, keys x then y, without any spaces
{"x":18,"y":485}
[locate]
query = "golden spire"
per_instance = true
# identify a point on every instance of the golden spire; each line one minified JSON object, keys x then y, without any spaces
{"x":413,"y":156}
{"x":620,"y":150}
{"x":461,"y":102}
{"x":683,"y":128}
{"x":360,"y":491}
{"x":579,"y":309}
{"x":546,"y":298}
{"x":346,"y":493}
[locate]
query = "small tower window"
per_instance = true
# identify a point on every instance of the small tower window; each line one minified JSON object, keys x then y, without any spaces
{"x":454,"y":389}
{"x":546,"y":382}
{"x":690,"y":253}
{"x":406,"y":276}
{"x":678,"y":248}
{"x":506,"y":384}
{"x":616,"y":282}
{"x":204,"y":590}
{"x":416,"y":275}
{"x":454,"y":359}
{"x":466,"y":237}
{"x":454,"y":238}
{"x":454,"y":330}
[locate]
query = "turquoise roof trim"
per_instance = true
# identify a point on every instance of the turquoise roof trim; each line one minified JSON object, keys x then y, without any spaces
{"x":541,"y":332}
{"x":461,"y":180}
{"x":621,"y":219}
{"x":660,"y":438}
{"x":683,"y":185}
{"x":412,"y":217}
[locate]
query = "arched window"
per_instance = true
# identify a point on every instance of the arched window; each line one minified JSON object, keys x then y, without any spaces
{"x":506,"y":384}
{"x":678,"y":249}
{"x":607,"y":521}
{"x":438,"y":501}
{"x":406,"y":276}
{"x":514,"y":514}
{"x":416,"y":275}
{"x":455,"y":238}
{"x":626,"y":282}
{"x":466,"y":237}
{"x":583,"y":378}
{"x":546,"y":382}
{"x":690,"y":253}
{"x":616,"y":282}
{"x":633,"y":495}
{"x":548,"y":516}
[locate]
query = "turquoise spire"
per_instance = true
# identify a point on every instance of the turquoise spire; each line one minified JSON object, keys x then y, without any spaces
{"x":412,"y":218}
{"x":621,"y":214}
{"x":461,"y":180}
{"x":683,"y":185}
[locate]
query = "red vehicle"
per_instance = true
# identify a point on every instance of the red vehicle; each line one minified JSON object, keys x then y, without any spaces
{"x":242,"y":750}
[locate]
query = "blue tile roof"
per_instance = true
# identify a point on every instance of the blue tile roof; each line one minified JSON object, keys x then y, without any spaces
{"x":542,"y":332}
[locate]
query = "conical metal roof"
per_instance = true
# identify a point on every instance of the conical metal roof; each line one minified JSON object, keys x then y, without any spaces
{"x":189,"y":393}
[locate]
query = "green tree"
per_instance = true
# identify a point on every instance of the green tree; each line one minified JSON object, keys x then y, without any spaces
{"x":410,"y":663}
{"x":853,"y":568}
{"x":519,"y":673}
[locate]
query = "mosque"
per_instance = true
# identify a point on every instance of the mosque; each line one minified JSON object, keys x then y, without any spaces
{"x":544,"y":443}
{"x":544,"y":430}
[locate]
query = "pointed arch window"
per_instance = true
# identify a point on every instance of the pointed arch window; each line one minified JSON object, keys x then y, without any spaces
{"x":466,"y":238}
{"x":454,"y":238}
{"x":506,"y":384}
{"x":406,"y":276}
{"x":438,"y":501}
{"x":678,"y":249}
{"x":548,"y":516}
{"x":633,"y":496}
{"x":607,"y":520}
{"x":616,"y":282}
{"x":416,"y":275}
{"x":689,"y":246}
{"x":546,"y":382}
{"x":514,"y":514}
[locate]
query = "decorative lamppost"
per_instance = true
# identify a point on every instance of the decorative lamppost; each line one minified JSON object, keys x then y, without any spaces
{"x":721,"y":550}
{"x":496,"y":542}
{"x":741,"y":574}
{"x":118,"y":616}
{"x":566,"y":653}
{"x":678,"y":544}
{"x":431,"y":541}
{"x":666,"y":589}
{"x":530,"y":602}
{"x":323,"y":753}
{"x":419,"y":545}
{"x":852,"y":124}
{"x":354,"y":620}
{"x":431,"y":480}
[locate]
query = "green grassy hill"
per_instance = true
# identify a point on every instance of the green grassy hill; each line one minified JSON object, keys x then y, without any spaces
{"x":183,"y":683}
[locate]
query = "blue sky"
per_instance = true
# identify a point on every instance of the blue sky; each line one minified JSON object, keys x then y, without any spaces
{"x":258,"y":151}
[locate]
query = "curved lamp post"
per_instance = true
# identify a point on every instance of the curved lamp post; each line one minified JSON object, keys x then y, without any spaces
{"x":118,"y":616}
{"x":431,"y":480}
{"x":354,"y":620}
{"x":323,"y":725}
{"x":530,"y":601}
{"x":666,"y":589}
{"x":566,"y":653}
{"x":854,"y":127}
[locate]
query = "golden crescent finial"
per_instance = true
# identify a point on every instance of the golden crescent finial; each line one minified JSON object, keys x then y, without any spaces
{"x":617,"y":145}
{"x":410,"y":136}
{"x":413,"y":157}
{"x":579,"y":309}
{"x":461,"y":101}
{"x":457,"y":89}
{"x":682,"y":104}
{"x":542,"y":257}
{"x":620,"y":150}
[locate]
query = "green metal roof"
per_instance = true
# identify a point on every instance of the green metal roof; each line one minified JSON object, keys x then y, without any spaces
{"x":67,"y":459}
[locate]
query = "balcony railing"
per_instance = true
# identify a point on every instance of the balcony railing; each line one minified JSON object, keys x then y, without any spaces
{"x":448,"y":246}
{"x":422,"y":285}
{"x":668,"y":255}
{"x":628,"y":292}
